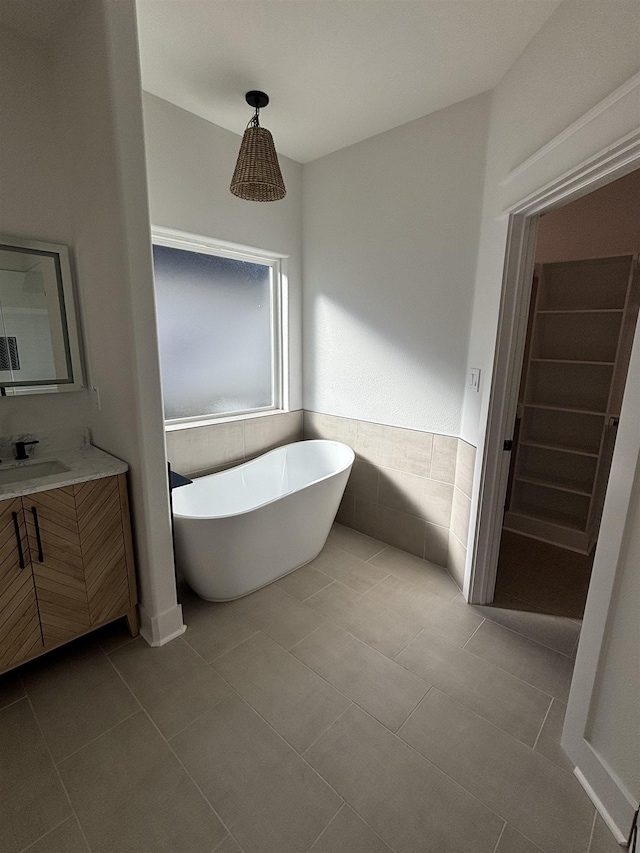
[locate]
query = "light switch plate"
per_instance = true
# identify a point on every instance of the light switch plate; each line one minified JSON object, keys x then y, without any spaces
{"x":474,"y":378}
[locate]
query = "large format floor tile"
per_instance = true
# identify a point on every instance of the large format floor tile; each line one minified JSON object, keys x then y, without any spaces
{"x":32,"y":799}
{"x":354,"y":572}
{"x":228,"y":846}
{"x":411,"y":804}
{"x":379,"y":685}
{"x":132,"y":796}
{"x":347,"y":833}
{"x":358,"y":544}
{"x":512,"y":842}
{"x":425,"y":575}
{"x":256,"y":699}
{"x":66,"y":838}
{"x":547,"y":577}
{"x":453,"y":620}
{"x":548,"y":743}
{"x":295,"y":700}
{"x":369,"y":619}
{"x":269,"y":798}
{"x":76,"y":695}
{"x":499,"y":697}
{"x":213,"y":629}
{"x":557,"y":632}
{"x":172,"y":683}
{"x":602,"y":840}
{"x":540,"y":666}
{"x":532,"y":794}
{"x":304,"y":582}
{"x":278,"y":615}
{"x":11,"y":688}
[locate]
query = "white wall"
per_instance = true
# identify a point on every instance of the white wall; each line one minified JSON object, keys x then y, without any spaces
{"x":604,"y":222}
{"x":72,"y":158}
{"x":615,"y":709}
{"x":101,"y":104}
{"x":190,"y":162}
{"x":391,"y":228}
{"x":34,"y":195}
{"x":585,"y":51}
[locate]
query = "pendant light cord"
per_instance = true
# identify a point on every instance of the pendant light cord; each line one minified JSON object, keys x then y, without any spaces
{"x":254,"y":121}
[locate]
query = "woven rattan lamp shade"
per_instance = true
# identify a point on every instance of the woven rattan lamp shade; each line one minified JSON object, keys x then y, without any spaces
{"x":257,"y":176}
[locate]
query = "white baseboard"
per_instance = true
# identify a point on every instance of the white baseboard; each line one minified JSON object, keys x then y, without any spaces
{"x":597,"y":802}
{"x":161,"y":629}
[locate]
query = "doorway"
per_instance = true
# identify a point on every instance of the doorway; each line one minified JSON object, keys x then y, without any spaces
{"x":582,"y":315}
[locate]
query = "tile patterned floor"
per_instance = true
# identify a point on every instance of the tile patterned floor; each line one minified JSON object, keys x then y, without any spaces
{"x":355,"y":706}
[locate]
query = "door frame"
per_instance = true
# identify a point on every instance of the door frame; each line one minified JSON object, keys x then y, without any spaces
{"x":617,"y":161}
{"x":614,"y":802}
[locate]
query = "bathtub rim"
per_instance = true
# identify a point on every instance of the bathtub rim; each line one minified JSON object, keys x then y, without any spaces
{"x":339,"y":470}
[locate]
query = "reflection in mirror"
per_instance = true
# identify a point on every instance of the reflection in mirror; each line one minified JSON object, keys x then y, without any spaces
{"x":36,"y":349}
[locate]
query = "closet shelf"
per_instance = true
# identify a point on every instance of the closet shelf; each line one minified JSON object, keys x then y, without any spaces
{"x":575,"y":409}
{"x":557,"y":519}
{"x":572,"y":488}
{"x":580,"y":311}
{"x":573,"y":361}
{"x":559,"y":448}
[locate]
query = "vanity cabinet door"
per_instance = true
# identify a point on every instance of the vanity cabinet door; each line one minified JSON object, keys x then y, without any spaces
{"x":56,"y":556}
{"x":20,"y":635}
{"x":101,"y":517}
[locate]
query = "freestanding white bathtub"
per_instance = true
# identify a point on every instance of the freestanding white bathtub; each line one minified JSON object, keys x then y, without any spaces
{"x":241,"y":529}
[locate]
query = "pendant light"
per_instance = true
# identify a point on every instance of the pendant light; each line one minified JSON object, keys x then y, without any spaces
{"x":257,"y":175}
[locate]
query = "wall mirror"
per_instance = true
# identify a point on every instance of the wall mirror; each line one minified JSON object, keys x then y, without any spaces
{"x":39,"y":345}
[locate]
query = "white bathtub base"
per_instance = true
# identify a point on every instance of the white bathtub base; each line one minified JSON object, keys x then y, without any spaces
{"x":295,"y":491}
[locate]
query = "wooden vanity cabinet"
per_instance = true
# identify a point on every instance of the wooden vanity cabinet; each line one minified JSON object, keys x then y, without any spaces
{"x":78,"y":566}
{"x":20,"y":635}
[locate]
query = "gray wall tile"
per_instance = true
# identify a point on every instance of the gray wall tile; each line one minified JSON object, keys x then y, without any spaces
{"x":347,"y":511}
{"x":465,"y":465}
{"x":265,"y":433}
{"x":404,"y":449}
{"x":363,"y":482}
{"x":202,"y":448}
{"x":443,"y":459}
{"x":317,"y":425}
{"x":436,"y":544}
{"x":460,"y":515}
{"x":389,"y":525}
{"x":413,"y":495}
{"x":215,"y":447}
{"x":457,"y":560}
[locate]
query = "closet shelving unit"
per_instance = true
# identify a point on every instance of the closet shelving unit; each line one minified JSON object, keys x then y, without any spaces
{"x":581,"y":325}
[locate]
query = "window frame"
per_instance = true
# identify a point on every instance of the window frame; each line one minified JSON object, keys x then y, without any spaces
{"x":279,"y":319}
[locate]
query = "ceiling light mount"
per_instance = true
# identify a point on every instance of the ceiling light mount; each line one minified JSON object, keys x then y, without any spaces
{"x":257,"y":100}
{"x":257,"y":176}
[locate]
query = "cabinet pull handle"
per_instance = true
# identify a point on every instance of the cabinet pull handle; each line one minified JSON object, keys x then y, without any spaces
{"x":16,"y":527}
{"x":38,"y":539}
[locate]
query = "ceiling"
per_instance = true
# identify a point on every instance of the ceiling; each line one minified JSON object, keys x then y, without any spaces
{"x":337,"y":71}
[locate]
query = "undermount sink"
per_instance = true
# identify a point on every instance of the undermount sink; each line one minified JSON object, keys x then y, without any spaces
{"x":30,"y":471}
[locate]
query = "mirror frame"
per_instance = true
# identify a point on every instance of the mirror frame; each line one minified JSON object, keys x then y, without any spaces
{"x":68,"y":310}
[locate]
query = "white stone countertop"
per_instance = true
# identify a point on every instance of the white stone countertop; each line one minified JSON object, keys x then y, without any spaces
{"x":83,"y":463}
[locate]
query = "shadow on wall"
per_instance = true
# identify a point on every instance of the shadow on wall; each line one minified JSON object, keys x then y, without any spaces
{"x":408,"y":488}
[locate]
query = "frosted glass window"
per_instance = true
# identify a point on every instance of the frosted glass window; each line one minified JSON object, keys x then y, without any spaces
{"x":217,"y":332}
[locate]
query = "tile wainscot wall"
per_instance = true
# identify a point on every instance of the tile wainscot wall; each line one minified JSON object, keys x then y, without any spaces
{"x":195,"y":451}
{"x":411,"y":489}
